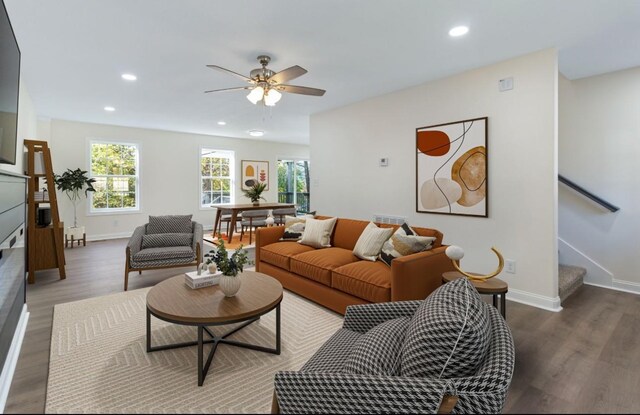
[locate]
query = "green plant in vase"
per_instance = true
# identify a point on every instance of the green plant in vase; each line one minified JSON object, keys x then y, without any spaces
{"x":72,"y":182}
{"x":230,"y":266}
{"x":254,"y":193}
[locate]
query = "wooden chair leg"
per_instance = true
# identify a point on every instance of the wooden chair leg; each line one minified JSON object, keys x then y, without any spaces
{"x":140,"y":272}
{"x":126,"y":278}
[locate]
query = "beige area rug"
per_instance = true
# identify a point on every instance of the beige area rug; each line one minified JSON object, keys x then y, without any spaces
{"x":99,"y":363}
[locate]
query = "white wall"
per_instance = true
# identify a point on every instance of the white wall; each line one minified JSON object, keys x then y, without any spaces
{"x":169,"y":171}
{"x":346,"y":144}
{"x":599,"y":148}
{"x":27,"y":128}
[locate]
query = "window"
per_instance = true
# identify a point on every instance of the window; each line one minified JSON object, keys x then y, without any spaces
{"x":115,"y":168}
{"x":216,"y":176}
{"x":293,"y":183}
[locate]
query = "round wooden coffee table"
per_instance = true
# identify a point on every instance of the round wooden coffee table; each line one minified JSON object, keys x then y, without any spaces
{"x":173,"y":301}
{"x":493,"y":286}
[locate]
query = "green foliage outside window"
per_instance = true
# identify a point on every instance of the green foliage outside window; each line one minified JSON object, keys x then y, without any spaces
{"x":114,"y":167}
{"x":216,"y":178}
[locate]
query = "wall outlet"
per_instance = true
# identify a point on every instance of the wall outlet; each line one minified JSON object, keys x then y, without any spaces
{"x":510,"y":266}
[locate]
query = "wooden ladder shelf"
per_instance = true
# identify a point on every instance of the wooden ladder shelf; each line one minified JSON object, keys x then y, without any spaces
{"x":45,"y":244}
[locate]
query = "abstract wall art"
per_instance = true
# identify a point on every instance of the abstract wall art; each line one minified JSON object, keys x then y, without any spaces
{"x":254,"y":172}
{"x":451,"y":168}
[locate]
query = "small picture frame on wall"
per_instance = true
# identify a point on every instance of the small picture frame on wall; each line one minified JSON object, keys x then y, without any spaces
{"x":253,"y":172}
{"x":452,"y":168}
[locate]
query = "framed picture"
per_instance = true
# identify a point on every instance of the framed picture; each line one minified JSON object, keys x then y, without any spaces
{"x":254,"y":172}
{"x":452,"y":168}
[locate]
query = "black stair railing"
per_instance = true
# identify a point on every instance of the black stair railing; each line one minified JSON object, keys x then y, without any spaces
{"x":586,"y":193}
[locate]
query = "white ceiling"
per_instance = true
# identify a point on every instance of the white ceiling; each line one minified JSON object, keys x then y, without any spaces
{"x":74,"y":51}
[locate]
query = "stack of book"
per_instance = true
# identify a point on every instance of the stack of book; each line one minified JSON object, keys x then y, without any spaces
{"x":194,"y":281}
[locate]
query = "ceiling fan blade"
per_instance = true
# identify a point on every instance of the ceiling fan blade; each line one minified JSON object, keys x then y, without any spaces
{"x":239,"y":88}
{"x":304,"y":90}
{"x":220,"y":68}
{"x":287,"y":74}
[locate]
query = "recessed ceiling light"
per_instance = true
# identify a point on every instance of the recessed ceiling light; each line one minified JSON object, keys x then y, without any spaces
{"x":110,"y":109}
{"x":222,"y":123}
{"x":458,"y":31}
{"x":129,"y":77}
{"x":256,"y":133}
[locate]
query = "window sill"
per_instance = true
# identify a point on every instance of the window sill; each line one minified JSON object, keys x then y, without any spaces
{"x":116,"y":212}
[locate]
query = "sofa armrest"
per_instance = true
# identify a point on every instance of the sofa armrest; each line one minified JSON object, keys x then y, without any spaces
{"x":414,"y":277}
{"x":198,"y":244}
{"x":362,"y":318}
{"x":266,"y":236}
{"x":317,"y":392}
{"x":135,"y":242}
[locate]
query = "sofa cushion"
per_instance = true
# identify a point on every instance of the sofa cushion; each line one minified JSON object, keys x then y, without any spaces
{"x":279,"y":254}
{"x":161,"y":240}
{"x":293,"y":228}
{"x":377,"y":352}
{"x":170,"y":224}
{"x":405,"y":241}
{"x":318,"y":264}
{"x":317,"y":232}
{"x":157,"y":254}
{"x":448,"y":335}
{"x":368,"y":280}
{"x":370,"y":242}
{"x":332,"y":355}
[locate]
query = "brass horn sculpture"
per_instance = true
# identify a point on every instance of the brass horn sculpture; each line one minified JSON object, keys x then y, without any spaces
{"x":456,"y":253}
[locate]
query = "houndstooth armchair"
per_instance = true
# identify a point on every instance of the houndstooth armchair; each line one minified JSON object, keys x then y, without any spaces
{"x":165,"y":242}
{"x":462,"y":364}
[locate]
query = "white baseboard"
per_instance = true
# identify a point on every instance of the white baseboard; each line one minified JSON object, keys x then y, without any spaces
{"x":12,"y":358}
{"x":619,"y":285}
{"x":596,"y":273}
{"x":535,"y":300}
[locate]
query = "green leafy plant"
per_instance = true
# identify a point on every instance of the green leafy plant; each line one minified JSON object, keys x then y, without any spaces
{"x":228,"y":265}
{"x":72,"y":182}
{"x":255,"y":192}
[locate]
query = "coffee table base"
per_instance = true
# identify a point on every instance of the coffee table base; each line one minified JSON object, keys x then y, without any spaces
{"x":203,"y":367}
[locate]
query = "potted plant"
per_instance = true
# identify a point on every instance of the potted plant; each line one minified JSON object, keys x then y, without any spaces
{"x":230,"y":266}
{"x":255,"y":192}
{"x":72,"y":182}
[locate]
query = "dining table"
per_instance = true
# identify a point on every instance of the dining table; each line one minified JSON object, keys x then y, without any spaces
{"x":237,"y":208}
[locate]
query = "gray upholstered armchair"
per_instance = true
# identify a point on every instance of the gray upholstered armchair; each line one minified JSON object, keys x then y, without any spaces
{"x":451,"y":353}
{"x":165,"y":242}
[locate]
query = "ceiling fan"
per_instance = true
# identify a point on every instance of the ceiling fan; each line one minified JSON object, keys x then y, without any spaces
{"x":266,"y":84}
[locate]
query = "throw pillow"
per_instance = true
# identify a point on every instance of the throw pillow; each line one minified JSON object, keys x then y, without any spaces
{"x":162,"y":240}
{"x":370,"y":242}
{"x":170,"y":224}
{"x":317,"y":232}
{"x":448,"y":335}
{"x":405,"y":241}
{"x":293,"y":228}
{"x":377,"y":352}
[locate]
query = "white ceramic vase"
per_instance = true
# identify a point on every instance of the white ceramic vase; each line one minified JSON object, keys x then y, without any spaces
{"x":230,"y":285}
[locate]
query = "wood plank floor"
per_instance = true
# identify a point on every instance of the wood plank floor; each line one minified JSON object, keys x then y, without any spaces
{"x":583,"y":359}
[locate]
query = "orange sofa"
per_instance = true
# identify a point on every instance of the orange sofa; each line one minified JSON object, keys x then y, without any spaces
{"x":335,"y":278}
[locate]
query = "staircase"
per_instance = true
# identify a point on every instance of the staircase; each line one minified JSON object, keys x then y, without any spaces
{"x":570,"y":278}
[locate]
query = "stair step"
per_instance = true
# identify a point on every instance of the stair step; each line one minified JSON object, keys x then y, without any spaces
{"x":570,"y":278}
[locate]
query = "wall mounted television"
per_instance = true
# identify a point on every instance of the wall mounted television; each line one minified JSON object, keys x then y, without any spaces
{"x":9,"y":89}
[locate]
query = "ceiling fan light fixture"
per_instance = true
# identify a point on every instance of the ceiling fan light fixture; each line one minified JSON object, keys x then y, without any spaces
{"x":272,"y":97}
{"x":256,"y":95}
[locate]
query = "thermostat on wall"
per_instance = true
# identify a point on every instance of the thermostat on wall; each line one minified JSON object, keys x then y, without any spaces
{"x":384,"y":162}
{"x":506,"y":84}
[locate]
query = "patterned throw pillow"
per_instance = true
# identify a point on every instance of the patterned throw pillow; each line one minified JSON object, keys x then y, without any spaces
{"x":370,"y":242}
{"x":293,"y":228}
{"x":169,"y":224}
{"x":448,"y":335}
{"x":405,"y":241}
{"x":377,"y":352}
{"x":162,"y":240}
{"x":317,"y":232}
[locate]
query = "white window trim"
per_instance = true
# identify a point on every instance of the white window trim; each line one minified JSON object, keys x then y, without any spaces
{"x":232,"y":170}
{"x":295,"y":160}
{"x":121,"y":211}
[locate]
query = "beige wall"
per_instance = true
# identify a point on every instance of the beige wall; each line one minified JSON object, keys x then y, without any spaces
{"x":599,"y":148}
{"x":169,"y":170}
{"x":27,"y":128}
{"x":346,"y":144}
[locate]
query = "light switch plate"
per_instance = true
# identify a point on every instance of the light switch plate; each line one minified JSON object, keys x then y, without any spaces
{"x":506,"y":84}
